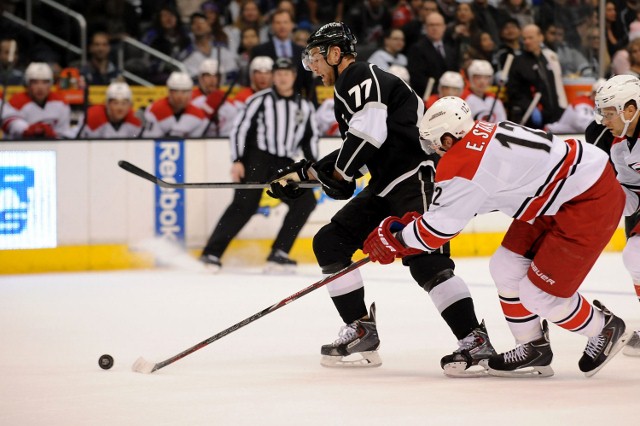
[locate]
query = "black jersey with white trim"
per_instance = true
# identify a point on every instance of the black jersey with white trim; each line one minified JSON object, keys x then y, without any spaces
{"x":378,"y":115}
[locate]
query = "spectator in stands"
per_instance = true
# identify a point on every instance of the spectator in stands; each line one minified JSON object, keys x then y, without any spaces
{"x":261,"y":76}
{"x":187,"y":8}
{"x":10,"y":73}
{"x":617,"y":32}
{"x":447,"y":8}
{"x":118,"y":18}
{"x":536,"y":70}
{"x":167,"y":34}
{"x":258,"y":151}
{"x":510,"y":43}
{"x":369,"y":20}
{"x":216,"y":104}
{"x":249,"y":17}
{"x":572,"y":62}
{"x":462,"y":29}
{"x":212,"y":13}
{"x":450,"y":84}
{"x":432,"y":55}
{"x":620,"y":63}
{"x":633,"y":50}
{"x":390,"y":53}
{"x":114,"y":119}
{"x":249,"y":41}
{"x":203,"y":46}
{"x":489,"y":18}
{"x":482,"y":47}
{"x":404,"y":12}
{"x":591,"y":51}
{"x":564,"y":15}
{"x":41,"y":113}
{"x":281,"y":45}
{"x":520,"y":10}
{"x":174,"y":115}
{"x":484,"y":105}
{"x":99,"y":71}
{"x":415,"y":28}
{"x":323,"y":11}
{"x":300,"y":36}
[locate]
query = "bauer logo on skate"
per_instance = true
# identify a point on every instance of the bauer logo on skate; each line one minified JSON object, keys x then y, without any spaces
{"x":170,"y":213}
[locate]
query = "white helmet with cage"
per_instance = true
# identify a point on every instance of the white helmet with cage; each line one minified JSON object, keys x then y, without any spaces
{"x":179,"y":81}
{"x":480,"y":67}
{"x":119,"y":90}
{"x":448,"y":115}
{"x":617,"y":92}
{"x":38,"y":71}
{"x":451,"y":79}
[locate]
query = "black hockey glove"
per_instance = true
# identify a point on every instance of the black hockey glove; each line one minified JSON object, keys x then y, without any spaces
{"x":334,"y":188}
{"x":283,"y":186}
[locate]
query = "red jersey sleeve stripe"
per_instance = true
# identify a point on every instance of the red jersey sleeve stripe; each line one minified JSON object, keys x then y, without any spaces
{"x":429,"y":237}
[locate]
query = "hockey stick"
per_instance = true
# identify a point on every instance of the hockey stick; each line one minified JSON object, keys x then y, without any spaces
{"x":85,"y":105}
{"x":214,"y":116}
{"x":532,"y":106}
{"x":504,"y":75}
{"x":146,"y":367}
{"x":202,"y":185}
{"x":429,"y":89}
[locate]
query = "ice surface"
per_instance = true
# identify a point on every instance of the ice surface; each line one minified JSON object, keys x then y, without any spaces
{"x":54,"y":327}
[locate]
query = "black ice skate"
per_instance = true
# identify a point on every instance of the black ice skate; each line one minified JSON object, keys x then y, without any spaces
{"x":279,"y":262}
{"x":633,"y":345}
{"x":532,"y":359}
{"x":211,"y":263}
{"x":470,"y":359}
{"x":601,"y":348}
{"x":356,"y":346}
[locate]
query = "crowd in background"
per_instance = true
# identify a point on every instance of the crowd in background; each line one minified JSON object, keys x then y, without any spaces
{"x":419,"y":40}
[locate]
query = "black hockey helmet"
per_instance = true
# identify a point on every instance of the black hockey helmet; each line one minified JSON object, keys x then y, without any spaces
{"x":331,"y":34}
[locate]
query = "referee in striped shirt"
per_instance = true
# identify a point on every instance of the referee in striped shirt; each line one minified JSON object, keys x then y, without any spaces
{"x":276,"y":125}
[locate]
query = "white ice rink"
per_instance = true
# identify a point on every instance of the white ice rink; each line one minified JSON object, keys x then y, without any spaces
{"x":54,"y":327}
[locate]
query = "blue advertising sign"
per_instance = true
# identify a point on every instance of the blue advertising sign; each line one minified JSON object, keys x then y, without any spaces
{"x":169,"y":202}
{"x":27,"y":199}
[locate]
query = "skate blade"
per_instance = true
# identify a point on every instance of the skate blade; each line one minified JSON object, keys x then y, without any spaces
{"x":460,"y":370}
{"x":358,"y":360}
{"x":272,"y":268}
{"x":527,"y":372}
{"x":621,"y":343}
{"x":143,"y":366}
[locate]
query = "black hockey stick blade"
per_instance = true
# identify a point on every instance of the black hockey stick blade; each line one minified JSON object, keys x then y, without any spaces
{"x":132,"y":168}
{"x":147,"y":367}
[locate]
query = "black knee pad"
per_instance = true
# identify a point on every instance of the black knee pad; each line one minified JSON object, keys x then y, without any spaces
{"x":332,"y":248}
{"x":431,"y":270}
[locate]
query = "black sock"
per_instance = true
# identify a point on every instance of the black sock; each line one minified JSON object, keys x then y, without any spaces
{"x":351,"y":306}
{"x":461,"y":317}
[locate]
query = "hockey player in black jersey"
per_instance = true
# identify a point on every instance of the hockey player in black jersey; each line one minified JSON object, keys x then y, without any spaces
{"x":378,"y":116}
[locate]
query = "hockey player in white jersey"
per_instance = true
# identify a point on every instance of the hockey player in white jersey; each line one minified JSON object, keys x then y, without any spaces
{"x":174,"y":115}
{"x":209,"y":98}
{"x":566,"y":205}
{"x":617,"y":107}
{"x":115,"y":119}
{"x":480,"y":73}
{"x":40,"y":112}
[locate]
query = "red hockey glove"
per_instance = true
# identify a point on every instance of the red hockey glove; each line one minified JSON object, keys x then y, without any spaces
{"x":382,"y":246}
{"x":214,"y":100}
{"x":39,"y":130}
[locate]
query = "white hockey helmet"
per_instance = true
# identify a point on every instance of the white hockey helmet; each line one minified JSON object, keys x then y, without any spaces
{"x":261,"y":63}
{"x":616,"y":93}
{"x":480,"y":67}
{"x":209,"y":66}
{"x":119,"y":90}
{"x":400,"y":72}
{"x":179,"y":81}
{"x":449,"y":114}
{"x":38,"y":71}
{"x":451,"y":79}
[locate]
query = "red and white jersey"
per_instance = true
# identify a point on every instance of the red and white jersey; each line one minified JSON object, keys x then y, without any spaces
{"x":575,"y":118}
{"x":55,"y":112}
{"x":98,"y":125}
{"x":326,"y":118}
{"x":160,"y":121}
{"x":522,"y":172}
{"x":626,"y":160}
{"x":226,"y":116}
{"x":10,"y":115}
{"x":480,"y":107}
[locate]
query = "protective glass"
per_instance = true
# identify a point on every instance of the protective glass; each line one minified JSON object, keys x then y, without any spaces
{"x":600,"y":115}
{"x":309,"y":60}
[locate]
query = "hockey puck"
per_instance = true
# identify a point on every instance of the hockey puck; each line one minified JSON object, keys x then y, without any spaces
{"x":105,"y":362}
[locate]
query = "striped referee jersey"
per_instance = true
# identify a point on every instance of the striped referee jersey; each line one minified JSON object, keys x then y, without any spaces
{"x":281,"y":126}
